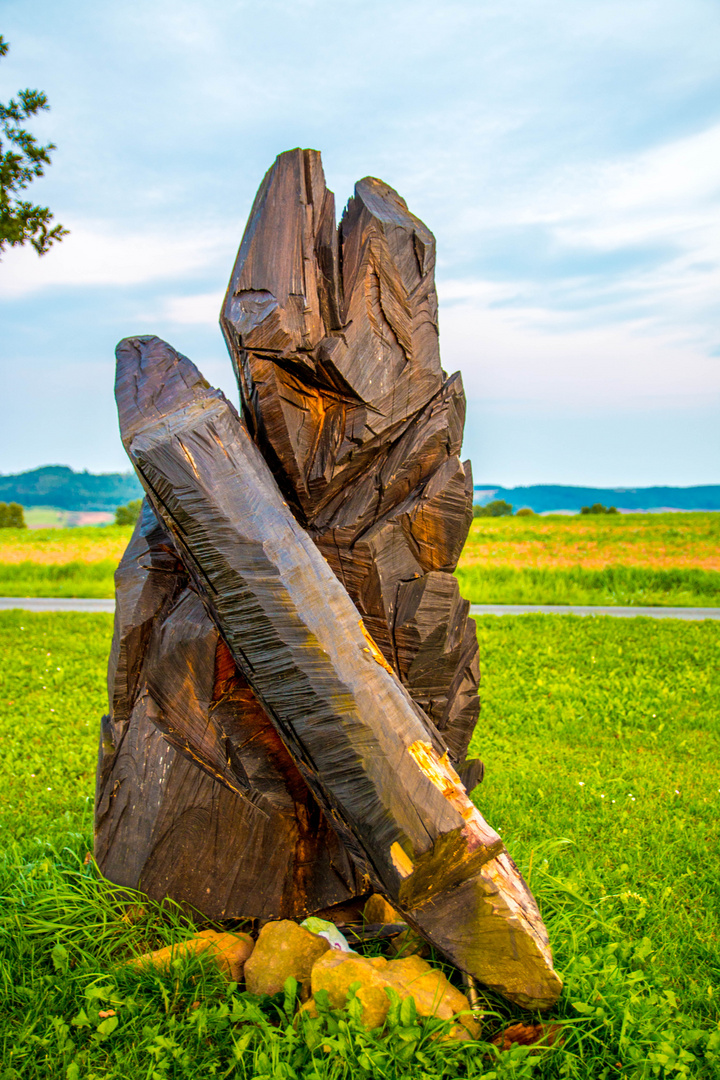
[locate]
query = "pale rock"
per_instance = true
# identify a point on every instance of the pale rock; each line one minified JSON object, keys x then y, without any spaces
{"x":433,"y":993}
{"x":336,"y":972}
{"x":283,"y":950}
{"x":378,"y":911}
{"x":412,"y":977}
{"x":229,"y":951}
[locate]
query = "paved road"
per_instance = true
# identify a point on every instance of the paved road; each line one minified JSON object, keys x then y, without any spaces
{"x":42,"y":603}
{"x":54,"y":603}
{"x":616,"y":612}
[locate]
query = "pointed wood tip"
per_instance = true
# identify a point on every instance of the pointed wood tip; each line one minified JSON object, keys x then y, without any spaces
{"x":153,"y":380}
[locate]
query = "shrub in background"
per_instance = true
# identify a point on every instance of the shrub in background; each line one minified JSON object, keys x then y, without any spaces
{"x":525,"y":511}
{"x":598,"y":508}
{"x":497,"y":508}
{"x":128,"y":514}
{"x":12,"y":516}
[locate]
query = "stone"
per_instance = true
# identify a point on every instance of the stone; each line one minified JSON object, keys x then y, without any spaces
{"x":309,"y":1009}
{"x":529,"y":1035}
{"x":412,"y":977}
{"x":378,"y":911}
{"x":336,"y":972}
{"x":229,"y":951}
{"x":297,"y":639}
{"x":434,"y":994}
{"x":284,"y":950}
{"x":381,"y":776}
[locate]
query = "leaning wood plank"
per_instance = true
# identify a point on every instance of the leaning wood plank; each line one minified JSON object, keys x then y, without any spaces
{"x":357,"y":737}
{"x":197,"y":797}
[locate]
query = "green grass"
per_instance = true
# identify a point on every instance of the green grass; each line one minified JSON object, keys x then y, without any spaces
{"x":662,"y":541}
{"x":51,"y":698}
{"x":606,"y":732}
{"x":613,"y":585}
{"x":93,"y":579}
{"x":636,"y":559}
{"x":61,"y":562}
{"x":88,"y":543}
{"x":573,"y":710}
{"x":45,"y":517}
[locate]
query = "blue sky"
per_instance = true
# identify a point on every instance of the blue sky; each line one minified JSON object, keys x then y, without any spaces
{"x":566,"y":154}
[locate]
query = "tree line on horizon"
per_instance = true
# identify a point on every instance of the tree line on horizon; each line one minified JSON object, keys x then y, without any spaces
{"x":546,"y":498}
{"x":62,"y":488}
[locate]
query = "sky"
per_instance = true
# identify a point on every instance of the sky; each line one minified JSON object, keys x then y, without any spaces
{"x":565,"y":153}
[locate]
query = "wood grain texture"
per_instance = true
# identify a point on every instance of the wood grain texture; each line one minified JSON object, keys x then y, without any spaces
{"x":197,"y":797}
{"x":269,"y":752}
{"x":373,"y":760}
{"x":333,"y":334}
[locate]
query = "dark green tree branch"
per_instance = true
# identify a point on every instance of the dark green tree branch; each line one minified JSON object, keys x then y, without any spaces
{"x":22,"y":159}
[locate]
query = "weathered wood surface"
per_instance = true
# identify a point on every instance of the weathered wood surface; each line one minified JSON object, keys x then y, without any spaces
{"x":334,"y":338}
{"x":197,"y":797}
{"x":373,"y":760}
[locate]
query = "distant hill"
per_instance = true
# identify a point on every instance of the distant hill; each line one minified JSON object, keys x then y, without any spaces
{"x":61,"y":487}
{"x":544,"y":498}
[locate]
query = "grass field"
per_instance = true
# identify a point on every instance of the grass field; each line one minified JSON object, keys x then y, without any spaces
{"x":640,"y":559}
{"x":61,"y":562}
{"x":45,"y":517}
{"x":601,"y":740}
{"x":614,"y":585}
{"x":596,"y":541}
{"x":89,"y":579}
{"x":57,"y":547}
{"x":628,"y":559}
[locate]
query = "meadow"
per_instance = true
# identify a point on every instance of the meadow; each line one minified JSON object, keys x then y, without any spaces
{"x":601,"y":740}
{"x":61,"y":562}
{"x":625,"y":559}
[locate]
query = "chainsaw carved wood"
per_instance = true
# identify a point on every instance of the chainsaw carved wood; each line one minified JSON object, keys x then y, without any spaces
{"x":197,"y":798}
{"x":333,"y":334}
{"x":372,"y":759}
{"x":293,"y":678}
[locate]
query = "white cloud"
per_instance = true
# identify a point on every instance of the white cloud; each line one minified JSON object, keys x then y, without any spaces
{"x":201,"y":309}
{"x":98,"y":254}
{"x":646,"y":230}
{"x":535,"y":357}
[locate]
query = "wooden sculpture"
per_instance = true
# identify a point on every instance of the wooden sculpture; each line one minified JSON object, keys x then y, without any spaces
{"x":334,"y":338}
{"x":293,"y":679}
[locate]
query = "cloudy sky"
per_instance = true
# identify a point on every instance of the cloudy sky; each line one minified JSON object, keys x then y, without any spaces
{"x":566,"y":154}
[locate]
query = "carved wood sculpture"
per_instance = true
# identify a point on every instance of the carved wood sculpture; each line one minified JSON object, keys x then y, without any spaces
{"x":282,"y":737}
{"x":334,"y":339}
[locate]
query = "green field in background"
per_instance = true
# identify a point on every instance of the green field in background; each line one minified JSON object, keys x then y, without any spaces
{"x":88,"y":543}
{"x":46,"y":517}
{"x":619,"y":585}
{"x":635,"y":559}
{"x":630,"y":559}
{"x":595,"y":541}
{"x":613,"y":585}
{"x":89,"y":579}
